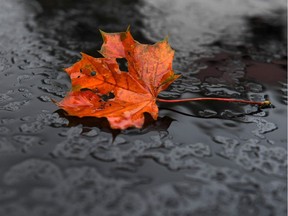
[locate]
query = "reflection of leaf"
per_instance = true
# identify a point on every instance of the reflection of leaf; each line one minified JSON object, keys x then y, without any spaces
{"x":101,"y":89}
{"x":162,"y":123}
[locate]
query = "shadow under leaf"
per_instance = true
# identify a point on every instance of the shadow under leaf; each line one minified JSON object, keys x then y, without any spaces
{"x":161,"y":124}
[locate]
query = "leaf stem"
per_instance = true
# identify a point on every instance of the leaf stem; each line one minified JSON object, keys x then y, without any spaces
{"x":262,"y":104}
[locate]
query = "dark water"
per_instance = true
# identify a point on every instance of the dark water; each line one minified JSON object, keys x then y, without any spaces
{"x":197,"y":159}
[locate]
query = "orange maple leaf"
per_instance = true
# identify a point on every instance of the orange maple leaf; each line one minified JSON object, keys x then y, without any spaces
{"x":101,"y":89}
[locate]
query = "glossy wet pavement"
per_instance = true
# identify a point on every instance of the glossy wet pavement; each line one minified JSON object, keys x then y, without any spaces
{"x":197,"y":159}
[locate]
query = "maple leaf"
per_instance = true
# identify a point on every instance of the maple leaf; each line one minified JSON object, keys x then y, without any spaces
{"x":101,"y":89}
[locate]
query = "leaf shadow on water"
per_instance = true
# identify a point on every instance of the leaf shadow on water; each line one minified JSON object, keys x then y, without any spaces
{"x":219,"y":110}
{"x":232,"y":116}
{"x":161,"y":124}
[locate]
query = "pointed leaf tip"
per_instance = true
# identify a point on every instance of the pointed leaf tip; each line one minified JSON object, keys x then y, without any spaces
{"x":166,"y":38}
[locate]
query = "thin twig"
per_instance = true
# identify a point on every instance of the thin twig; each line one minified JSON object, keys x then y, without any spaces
{"x":261,"y":104}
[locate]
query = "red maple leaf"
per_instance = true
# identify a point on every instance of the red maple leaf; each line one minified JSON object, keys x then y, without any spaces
{"x":101,"y":89}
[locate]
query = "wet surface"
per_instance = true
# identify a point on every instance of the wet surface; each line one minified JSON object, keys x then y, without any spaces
{"x":197,"y":159}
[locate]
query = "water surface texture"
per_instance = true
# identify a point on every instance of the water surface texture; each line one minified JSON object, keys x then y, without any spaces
{"x":208,"y":158}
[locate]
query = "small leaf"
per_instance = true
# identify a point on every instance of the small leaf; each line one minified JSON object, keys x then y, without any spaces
{"x":101,"y":89}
